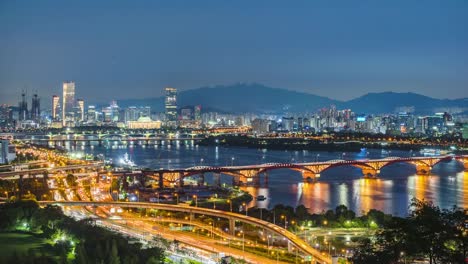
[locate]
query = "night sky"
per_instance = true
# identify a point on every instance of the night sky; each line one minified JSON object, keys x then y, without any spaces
{"x":340,"y":49}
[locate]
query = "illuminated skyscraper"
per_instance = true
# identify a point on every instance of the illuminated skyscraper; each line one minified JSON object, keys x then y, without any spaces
{"x":171,"y":105}
{"x":68,"y":114}
{"x":55,"y":107}
{"x":80,"y":105}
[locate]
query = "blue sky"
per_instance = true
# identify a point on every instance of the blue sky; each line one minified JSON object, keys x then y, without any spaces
{"x":133,"y":49}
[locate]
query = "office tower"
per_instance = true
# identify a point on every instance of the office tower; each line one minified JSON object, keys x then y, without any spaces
{"x":186,"y":113}
{"x":55,"y":107}
{"x":3,"y":151}
{"x":197,"y":113}
{"x":91,"y":116}
{"x":171,"y":105}
{"x":68,"y":114}
{"x":35,"y":108}
{"x":23,"y":108}
{"x":80,"y":104}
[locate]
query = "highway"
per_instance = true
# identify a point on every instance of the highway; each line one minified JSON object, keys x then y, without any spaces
{"x":295,"y":240}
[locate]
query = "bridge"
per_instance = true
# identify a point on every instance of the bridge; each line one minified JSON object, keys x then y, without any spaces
{"x":100,"y":138}
{"x":40,"y":171}
{"x":310,"y":171}
{"x":232,"y":217}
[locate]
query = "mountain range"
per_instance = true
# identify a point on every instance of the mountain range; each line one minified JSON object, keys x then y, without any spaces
{"x":253,"y":97}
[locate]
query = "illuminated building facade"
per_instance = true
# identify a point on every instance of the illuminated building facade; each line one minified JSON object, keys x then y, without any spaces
{"x":68,"y":114}
{"x":171,"y":105}
{"x":80,"y":104}
{"x":55,"y":107}
{"x":144,"y":122}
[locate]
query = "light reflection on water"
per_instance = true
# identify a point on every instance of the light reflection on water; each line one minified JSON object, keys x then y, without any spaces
{"x":391,"y":192}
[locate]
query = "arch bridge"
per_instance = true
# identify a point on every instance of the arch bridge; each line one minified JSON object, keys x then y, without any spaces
{"x":310,"y":171}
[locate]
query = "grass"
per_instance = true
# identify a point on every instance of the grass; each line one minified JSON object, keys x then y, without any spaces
{"x":19,"y":242}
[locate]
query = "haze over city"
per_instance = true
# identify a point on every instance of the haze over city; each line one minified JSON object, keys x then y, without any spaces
{"x":341,"y":50}
{"x":234,"y":132}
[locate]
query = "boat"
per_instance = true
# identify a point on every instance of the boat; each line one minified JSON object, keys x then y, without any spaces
{"x":429,"y":152}
{"x":126,"y":161}
{"x":261,"y":198}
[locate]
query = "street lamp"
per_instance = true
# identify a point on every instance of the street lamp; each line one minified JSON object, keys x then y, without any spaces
{"x":138,"y":196}
{"x":6,"y":194}
{"x":177,"y":197}
{"x":196,"y":200}
{"x":245,"y":207}
{"x":285,"y":220}
{"x":317,"y":157}
{"x":230,"y":204}
{"x":232,"y":161}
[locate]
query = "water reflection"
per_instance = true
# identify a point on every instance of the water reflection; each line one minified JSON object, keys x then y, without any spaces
{"x":391,"y":193}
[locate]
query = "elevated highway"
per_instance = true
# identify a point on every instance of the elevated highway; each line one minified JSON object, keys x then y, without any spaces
{"x":232,"y":217}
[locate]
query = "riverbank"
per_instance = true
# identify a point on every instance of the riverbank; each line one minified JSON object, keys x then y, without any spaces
{"x":303,"y":144}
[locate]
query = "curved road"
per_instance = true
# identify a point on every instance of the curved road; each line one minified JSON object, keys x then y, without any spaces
{"x":299,"y":243}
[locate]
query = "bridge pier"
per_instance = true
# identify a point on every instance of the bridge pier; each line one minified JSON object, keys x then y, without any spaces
{"x":201,"y":179}
{"x":217,"y":179}
{"x":423,"y":169}
{"x":180,"y":180}
{"x":370,"y":173}
{"x":160,"y":180}
{"x":256,"y":181}
{"x":265,"y":178}
{"x":309,"y":176}
{"x":232,"y":226}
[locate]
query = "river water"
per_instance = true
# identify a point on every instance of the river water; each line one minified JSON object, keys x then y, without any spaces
{"x":391,"y":192}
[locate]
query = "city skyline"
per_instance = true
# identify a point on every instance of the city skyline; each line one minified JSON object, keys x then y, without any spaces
{"x":339,"y":52}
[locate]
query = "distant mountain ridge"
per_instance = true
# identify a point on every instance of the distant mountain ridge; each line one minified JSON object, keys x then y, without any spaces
{"x":243,"y":97}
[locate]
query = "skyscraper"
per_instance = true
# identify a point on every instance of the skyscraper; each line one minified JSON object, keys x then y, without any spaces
{"x":68,"y":114}
{"x":171,"y":105}
{"x":80,"y":104}
{"x":23,"y":108}
{"x":55,"y":107}
{"x":197,"y":113}
{"x":35,"y":108}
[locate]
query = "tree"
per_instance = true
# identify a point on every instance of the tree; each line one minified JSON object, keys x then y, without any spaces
{"x":114,"y":254}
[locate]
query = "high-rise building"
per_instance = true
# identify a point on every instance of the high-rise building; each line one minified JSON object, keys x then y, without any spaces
{"x":186,"y":113}
{"x":23,"y":108}
{"x":35,"y":108}
{"x":91,"y":116}
{"x":55,"y":107}
{"x":80,"y":104}
{"x":68,"y":114}
{"x":197,"y":113}
{"x":171,"y":105}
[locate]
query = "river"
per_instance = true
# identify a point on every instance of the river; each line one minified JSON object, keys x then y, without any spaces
{"x":392,"y":192}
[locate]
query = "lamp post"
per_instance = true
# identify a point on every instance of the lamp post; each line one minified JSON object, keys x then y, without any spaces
{"x":245,"y":207}
{"x":317,"y":157}
{"x":177,"y":197}
{"x":196,"y":200}
{"x":138,"y":196}
{"x":230,"y":204}
{"x":6,"y":194}
{"x":285,"y":220}
{"x":232,"y":161}
{"x":243,"y":241}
